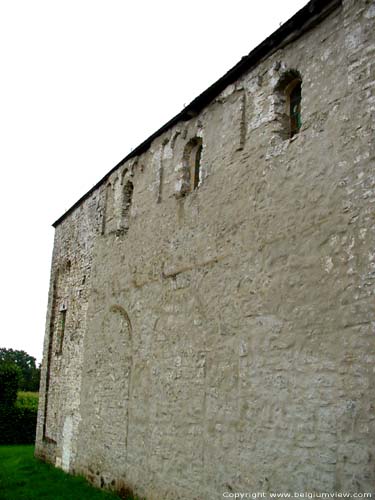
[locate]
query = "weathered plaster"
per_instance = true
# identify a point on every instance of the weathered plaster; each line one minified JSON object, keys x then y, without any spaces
{"x":225,"y":340}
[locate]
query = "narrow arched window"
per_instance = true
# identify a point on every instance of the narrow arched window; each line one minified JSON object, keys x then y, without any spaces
{"x":295,"y":107}
{"x":288,"y":103}
{"x":192,"y":174}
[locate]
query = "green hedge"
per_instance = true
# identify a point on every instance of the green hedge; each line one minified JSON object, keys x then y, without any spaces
{"x":10,"y":376}
{"x":17,"y":425}
{"x":17,"y":419}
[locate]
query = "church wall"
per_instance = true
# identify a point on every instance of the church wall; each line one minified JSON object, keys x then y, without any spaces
{"x":222,"y":339}
{"x":65,"y":329}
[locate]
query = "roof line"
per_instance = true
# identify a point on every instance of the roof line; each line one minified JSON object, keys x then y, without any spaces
{"x":307,"y":17}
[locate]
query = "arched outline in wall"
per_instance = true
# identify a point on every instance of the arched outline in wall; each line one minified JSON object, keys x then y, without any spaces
{"x":133,"y":166}
{"x":124,"y":173}
{"x":126,"y":202}
{"x":127,"y":189}
{"x":174,"y":137}
{"x":120,"y":310}
{"x":288,"y":93}
{"x":192,"y":172}
{"x":117,"y":309}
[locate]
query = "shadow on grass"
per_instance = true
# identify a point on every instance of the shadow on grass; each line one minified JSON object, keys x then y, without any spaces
{"x":23,"y":477}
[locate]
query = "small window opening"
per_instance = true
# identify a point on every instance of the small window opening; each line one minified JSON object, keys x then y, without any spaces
{"x":295,"y":108}
{"x":192,"y":165}
{"x":288,"y":103}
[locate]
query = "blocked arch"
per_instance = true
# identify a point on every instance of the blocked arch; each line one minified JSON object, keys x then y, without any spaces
{"x":120,"y":310}
{"x":127,"y":198}
{"x":106,"y":392}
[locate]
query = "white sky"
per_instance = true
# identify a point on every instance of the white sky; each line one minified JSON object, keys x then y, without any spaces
{"x":82,"y":82}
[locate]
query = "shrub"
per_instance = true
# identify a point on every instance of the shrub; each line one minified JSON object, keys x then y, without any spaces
{"x":17,"y":419}
{"x":10,"y":376}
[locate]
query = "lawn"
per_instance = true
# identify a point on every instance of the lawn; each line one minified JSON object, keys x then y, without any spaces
{"x":22,"y":477}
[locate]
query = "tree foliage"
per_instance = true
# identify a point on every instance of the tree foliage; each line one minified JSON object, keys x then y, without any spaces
{"x":30,"y":373}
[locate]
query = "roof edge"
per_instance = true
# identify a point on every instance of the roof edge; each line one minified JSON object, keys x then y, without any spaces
{"x":303,"y":20}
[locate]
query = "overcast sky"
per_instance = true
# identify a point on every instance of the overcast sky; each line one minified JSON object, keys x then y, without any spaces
{"x":82,"y":83}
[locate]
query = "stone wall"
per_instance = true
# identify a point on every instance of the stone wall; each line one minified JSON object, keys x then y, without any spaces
{"x":66,"y":326}
{"x":222,"y":339}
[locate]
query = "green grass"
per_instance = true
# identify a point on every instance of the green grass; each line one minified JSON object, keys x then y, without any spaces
{"x":27,"y":400}
{"x":22,"y":477}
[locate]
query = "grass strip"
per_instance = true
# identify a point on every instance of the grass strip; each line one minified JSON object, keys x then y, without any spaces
{"x":23,"y":477}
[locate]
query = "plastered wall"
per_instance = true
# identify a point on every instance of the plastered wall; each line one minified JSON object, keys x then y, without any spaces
{"x":224,"y":340}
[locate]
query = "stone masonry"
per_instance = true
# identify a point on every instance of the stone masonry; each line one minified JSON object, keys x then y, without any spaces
{"x":211,"y":320}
